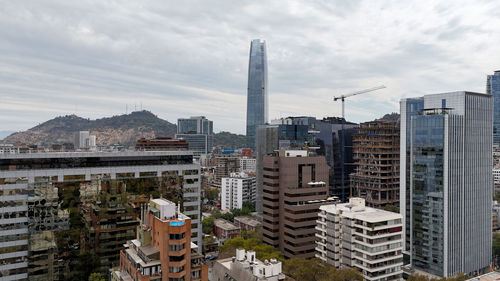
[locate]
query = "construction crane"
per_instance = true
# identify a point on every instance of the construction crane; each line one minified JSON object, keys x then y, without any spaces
{"x":342,"y":152}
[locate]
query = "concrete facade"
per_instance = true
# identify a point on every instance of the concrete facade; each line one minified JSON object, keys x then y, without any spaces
{"x":368,"y":239}
{"x":295,"y":185}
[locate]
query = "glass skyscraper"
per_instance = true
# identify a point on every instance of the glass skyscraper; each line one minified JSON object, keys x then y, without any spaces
{"x":257,"y":99}
{"x":449,"y":173}
{"x":493,"y":88}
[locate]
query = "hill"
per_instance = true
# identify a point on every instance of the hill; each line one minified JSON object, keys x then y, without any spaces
{"x":121,"y":129}
{"x":391,"y":117}
{"x":229,"y":140}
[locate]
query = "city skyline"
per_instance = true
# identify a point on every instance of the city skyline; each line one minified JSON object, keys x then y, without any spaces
{"x":87,"y":60}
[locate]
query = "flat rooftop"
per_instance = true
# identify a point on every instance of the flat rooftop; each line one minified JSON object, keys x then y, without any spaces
{"x":247,"y":221}
{"x":367,"y":214}
{"x":226,"y":225}
{"x":41,"y":155}
{"x":490,"y":276}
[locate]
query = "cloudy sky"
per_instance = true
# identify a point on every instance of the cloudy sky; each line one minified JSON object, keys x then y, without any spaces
{"x":183,"y":58}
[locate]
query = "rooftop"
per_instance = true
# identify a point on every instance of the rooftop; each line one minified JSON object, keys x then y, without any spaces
{"x":490,"y":276}
{"x":356,"y":209}
{"x":247,"y":221}
{"x":226,"y":225}
{"x":93,"y":154}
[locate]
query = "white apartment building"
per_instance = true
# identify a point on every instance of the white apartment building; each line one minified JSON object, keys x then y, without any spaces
{"x":238,"y":188}
{"x":369,"y":239}
{"x":245,"y":266}
{"x":8,"y":149}
{"x":248,"y":165}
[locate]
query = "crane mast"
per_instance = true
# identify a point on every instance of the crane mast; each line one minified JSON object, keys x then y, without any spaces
{"x":342,"y":149}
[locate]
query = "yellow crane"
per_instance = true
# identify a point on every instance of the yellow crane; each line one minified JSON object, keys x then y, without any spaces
{"x":342,"y":152}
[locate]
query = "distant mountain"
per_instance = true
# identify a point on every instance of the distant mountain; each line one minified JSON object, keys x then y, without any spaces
{"x":121,"y":129}
{"x":391,"y":117}
{"x":230,"y":140}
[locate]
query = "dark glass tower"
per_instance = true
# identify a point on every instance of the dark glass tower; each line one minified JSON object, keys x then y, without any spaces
{"x":257,"y":99}
{"x":493,"y":88}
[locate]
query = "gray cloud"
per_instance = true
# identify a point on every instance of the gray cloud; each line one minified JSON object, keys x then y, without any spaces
{"x":190,"y":58}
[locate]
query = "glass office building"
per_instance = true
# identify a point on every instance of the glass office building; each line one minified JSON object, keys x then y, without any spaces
{"x":195,"y":125}
{"x":257,"y":98}
{"x":493,"y":88}
{"x":450,"y":178}
{"x":39,"y":192}
{"x":409,"y":108}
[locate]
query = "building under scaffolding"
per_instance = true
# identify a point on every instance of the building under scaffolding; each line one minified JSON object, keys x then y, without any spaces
{"x":376,"y":156}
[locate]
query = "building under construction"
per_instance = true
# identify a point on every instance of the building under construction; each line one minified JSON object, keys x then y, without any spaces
{"x":376,"y":156}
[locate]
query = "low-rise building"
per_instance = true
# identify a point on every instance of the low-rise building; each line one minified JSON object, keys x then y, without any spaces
{"x":225,"y":230}
{"x":247,"y":223}
{"x":353,"y":235}
{"x":163,"y":248}
{"x":245,"y":266}
{"x":237,"y":189}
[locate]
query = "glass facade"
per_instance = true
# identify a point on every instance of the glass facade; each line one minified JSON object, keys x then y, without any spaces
{"x":195,"y":125}
{"x":427,"y":193}
{"x":448,"y":181}
{"x":257,"y":98}
{"x":409,"y":108}
{"x":493,"y":88}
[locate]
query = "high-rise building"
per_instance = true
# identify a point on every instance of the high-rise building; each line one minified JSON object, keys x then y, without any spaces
{"x":295,"y":185}
{"x":493,"y":88}
{"x":257,"y":98}
{"x":237,"y":189}
{"x":163,"y":248}
{"x":30,"y":184}
{"x":195,"y":125}
{"x":450,"y":183}
{"x":409,"y":108}
{"x":329,"y":142}
{"x":198,"y":132}
{"x":225,"y":164}
{"x":368,"y":239}
{"x":376,"y":156}
{"x":266,"y":142}
{"x":83,"y":140}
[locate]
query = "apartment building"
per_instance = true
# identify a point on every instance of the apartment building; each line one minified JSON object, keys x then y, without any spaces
{"x":237,"y":189}
{"x":162,"y":249}
{"x":368,"y":239}
{"x":295,"y":185}
{"x":245,"y":266}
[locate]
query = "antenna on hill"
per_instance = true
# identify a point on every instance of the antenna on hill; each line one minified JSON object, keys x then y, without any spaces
{"x":141,"y":105}
{"x":126,"y":108}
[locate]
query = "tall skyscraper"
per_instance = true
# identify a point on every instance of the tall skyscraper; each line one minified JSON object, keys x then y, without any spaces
{"x":257,"y":99}
{"x":450,"y":182}
{"x":493,"y":88}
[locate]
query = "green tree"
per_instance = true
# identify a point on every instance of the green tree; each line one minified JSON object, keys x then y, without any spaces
{"x":262,"y":251}
{"x":496,"y":244}
{"x":392,"y":208}
{"x":96,"y":277}
{"x":317,"y":270}
{"x":207,"y":225}
{"x":212,"y":194}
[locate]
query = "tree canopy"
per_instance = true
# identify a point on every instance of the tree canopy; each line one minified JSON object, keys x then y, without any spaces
{"x":317,"y":270}
{"x":262,"y":251}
